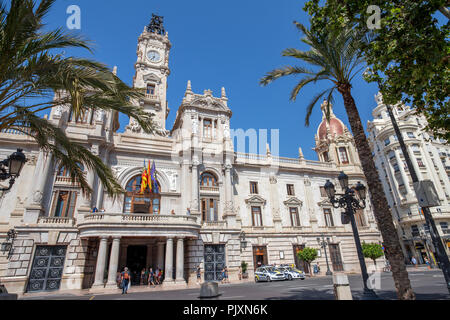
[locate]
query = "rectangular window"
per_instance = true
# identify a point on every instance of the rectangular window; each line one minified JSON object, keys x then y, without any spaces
{"x":391,"y":154}
{"x":151,"y":89}
{"x":290,"y":190}
{"x":396,"y":167}
{"x":410,"y":135}
{"x":343,"y":155}
{"x":253,"y":187}
{"x":64,"y":204}
{"x":387,"y":142}
{"x":444,"y":227}
{"x":328,"y":217}
{"x":257,"y":217}
{"x":420,"y":163}
{"x":295,"y":219}
{"x":209,"y":210}
{"x":415,"y":231}
{"x":207,"y":128}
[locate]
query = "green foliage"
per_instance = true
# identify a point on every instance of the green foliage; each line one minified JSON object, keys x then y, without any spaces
{"x":372,"y":250}
{"x":307,"y":254}
{"x":408,"y":56}
{"x":34,"y":78}
{"x":244,"y":266}
{"x":333,"y":56}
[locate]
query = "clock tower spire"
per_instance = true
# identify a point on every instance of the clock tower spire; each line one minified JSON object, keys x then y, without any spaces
{"x":152,"y":70}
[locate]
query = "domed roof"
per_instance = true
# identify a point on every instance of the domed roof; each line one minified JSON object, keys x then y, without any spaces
{"x":335,"y":126}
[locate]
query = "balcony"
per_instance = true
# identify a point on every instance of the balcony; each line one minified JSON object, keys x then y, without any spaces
{"x":151,"y":97}
{"x":59,"y":222}
{"x":214,"y":225}
{"x":132,"y":225}
{"x":209,"y":189}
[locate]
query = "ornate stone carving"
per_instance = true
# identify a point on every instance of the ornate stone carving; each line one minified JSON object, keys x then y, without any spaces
{"x":226,"y":131}
{"x":307,"y":182}
{"x":37,"y":196}
{"x":58,"y":112}
{"x":134,"y":126}
{"x":172,"y":177}
{"x":195,"y":125}
{"x":117,"y":170}
{"x":100,"y":115}
{"x":273,"y":180}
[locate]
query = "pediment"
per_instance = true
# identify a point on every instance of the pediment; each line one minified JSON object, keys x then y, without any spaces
{"x":151,"y":77}
{"x":209,"y":103}
{"x":324,"y":203}
{"x":293,"y":201}
{"x":256,"y":200}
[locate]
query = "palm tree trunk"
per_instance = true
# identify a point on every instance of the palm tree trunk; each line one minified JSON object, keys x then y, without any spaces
{"x":380,"y":205}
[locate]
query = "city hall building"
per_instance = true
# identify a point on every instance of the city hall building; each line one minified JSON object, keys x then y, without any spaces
{"x":215,"y":207}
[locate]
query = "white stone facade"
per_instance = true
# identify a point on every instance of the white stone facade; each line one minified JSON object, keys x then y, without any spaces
{"x":193,"y":217}
{"x":430,"y":158}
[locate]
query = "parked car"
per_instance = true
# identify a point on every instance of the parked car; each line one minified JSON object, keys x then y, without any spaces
{"x":268,"y":274}
{"x":291,"y":273}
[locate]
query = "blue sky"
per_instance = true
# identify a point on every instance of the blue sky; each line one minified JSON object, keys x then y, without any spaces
{"x":217,"y":43}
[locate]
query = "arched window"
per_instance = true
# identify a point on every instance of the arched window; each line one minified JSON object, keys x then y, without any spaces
{"x":208,"y":180}
{"x":137,"y":202}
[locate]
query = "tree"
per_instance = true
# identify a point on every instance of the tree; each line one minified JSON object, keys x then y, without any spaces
{"x":408,"y":55}
{"x":372,"y":251}
{"x":338,"y":58}
{"x":34,"y":78}
{"x":308,"y":255}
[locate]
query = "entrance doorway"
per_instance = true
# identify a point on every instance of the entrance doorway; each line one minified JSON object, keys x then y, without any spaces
{"x":300,"y":264}
{"x":336,"y":259}
{"x":47,"y":268}
{"x":260,"y":256}
{"x":214,"y":262}
{"x":136,"y":260}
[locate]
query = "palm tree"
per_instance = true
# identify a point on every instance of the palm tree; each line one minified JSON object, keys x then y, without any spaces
{"x":338,"y":59}
{"x":34,"y":77}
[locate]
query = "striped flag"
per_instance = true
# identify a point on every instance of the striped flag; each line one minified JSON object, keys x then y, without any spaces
{"x":153,"y":177}
{"x":144,"y":179}
{"x":149,"y":179}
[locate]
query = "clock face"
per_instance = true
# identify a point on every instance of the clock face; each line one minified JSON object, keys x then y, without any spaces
{"x":153,"y":56}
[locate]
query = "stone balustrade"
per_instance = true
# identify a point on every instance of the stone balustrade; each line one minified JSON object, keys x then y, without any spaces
{"x":56,"y":221}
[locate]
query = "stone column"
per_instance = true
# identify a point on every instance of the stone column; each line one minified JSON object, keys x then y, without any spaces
{"x":185,"y":184}
{"x":194,"y":203}
{"x":86,"y":201}
{"x":403,"y":173}
{"x":160,"y":255}
{"x":414,"y":162}
{"x":148,"y":262}
{"x":168,"y":269}
{"x":101,"y":261}
{"x":35,"y":205}
{"x":180,"y":261}
{"x":113,"y":263}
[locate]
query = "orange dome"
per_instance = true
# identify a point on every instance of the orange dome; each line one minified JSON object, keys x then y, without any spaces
{"x":336,"y":128}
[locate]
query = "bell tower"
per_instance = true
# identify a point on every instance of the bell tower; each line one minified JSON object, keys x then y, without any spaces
{"x":152,"y":70}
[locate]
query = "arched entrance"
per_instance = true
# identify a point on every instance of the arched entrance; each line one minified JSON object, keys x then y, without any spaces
{"x":148,"y":202}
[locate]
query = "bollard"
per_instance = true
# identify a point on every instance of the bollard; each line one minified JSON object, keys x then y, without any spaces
{"x":209,"y":290}
{"x":342,"y":287}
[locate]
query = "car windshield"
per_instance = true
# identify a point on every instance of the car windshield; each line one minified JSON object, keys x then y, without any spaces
{"x":271,"y":269}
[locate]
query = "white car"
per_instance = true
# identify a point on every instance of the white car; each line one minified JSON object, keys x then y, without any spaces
{"x":292,"y":273}
{"x":268,"y":274}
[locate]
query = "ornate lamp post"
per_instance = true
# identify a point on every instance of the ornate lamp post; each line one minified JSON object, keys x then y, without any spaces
{"x":243,"y":241}
{"x":11,"y":167}
{"x":323,"y":244}
{"x":349,"y":202}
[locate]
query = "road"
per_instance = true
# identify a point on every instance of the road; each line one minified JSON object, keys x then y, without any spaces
{"x":428,"y":285}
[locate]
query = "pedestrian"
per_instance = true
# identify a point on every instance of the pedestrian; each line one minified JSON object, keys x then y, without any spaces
{"x":173,"y":212}
{"x":125,"y":280}
{"x":226,"y":275}
{"x":160,"y":275}
{"x":414,"y":261}
{"x":188,"y":211}
{"x":427,"y":262}
{"x":118,"y":278}
{"x":151,"y":277}
{"x":156,"y":275}
{"x":223,"y":275}
{"x":240,"y":273}
{"x":318,"y":267}
{"x":143,"y":274}
{"x":199,"y":274}
{"x":94,"y":210}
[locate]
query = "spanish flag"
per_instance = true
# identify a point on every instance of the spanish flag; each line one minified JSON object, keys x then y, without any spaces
{"x":144,"y":179}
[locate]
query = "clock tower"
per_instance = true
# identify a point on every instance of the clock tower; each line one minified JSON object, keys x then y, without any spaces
{"x":152,"y":70}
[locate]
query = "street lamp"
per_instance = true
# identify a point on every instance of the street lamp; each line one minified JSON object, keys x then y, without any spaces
{"x":243,"y":241}
{"x":14,"y":163}
{"x":323,"y":244}
{"x":349,"y":202}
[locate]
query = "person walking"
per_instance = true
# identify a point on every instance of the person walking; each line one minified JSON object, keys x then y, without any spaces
{"x":414,"y":261}
{"x":125,"y":280}
{"x":427,"y":262}
{"x":156,"y":276}
{"x":151,"y":276}
{"x":240,"y":273}
{"x":199,"y":275}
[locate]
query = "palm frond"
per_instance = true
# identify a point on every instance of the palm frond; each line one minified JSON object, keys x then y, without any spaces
{"x":312,"y":103}
{"x":283,"y":72}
